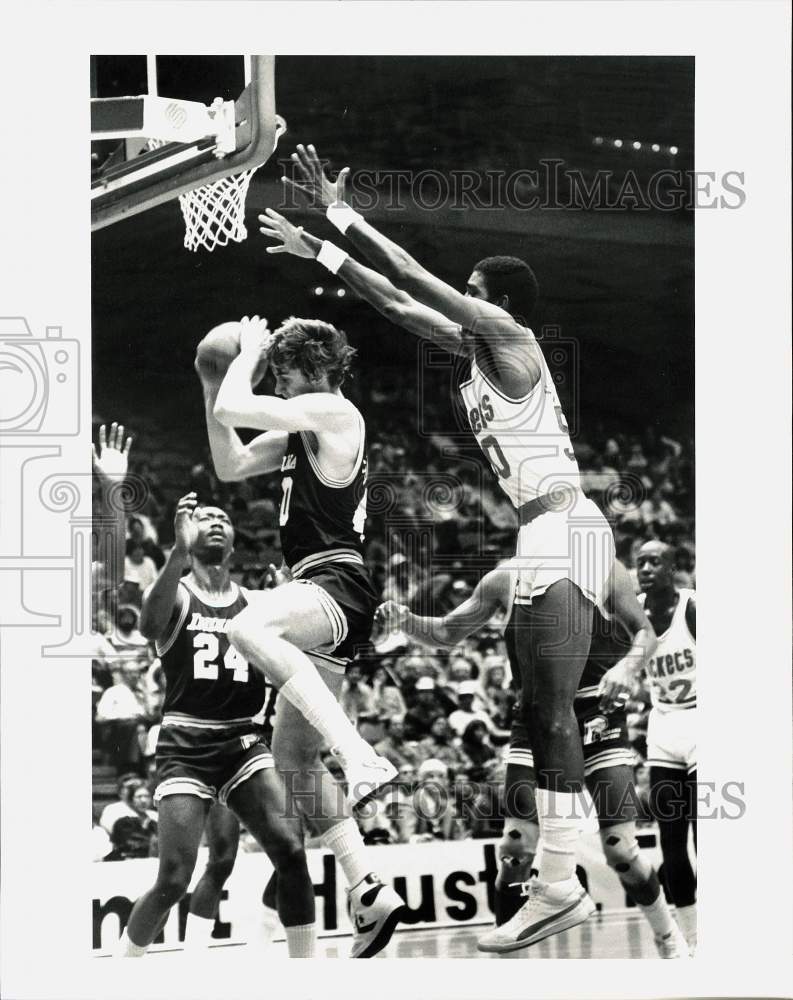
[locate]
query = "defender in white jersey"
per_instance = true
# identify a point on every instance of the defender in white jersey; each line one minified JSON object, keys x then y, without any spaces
{"x":672,"y":726}
{"x":565,"y":547}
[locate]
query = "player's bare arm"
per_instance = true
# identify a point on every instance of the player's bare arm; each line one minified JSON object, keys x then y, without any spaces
{"x":691,"y":615}
{"x":619,"y":681}
{"x":233,"y":460}
{"x":110,"y":465}
{"x":237,"y":406}
{"x":514,"y":349}
{"x":490,"y":595}
{"x":397,"y":306}
{"x":160,"y":600}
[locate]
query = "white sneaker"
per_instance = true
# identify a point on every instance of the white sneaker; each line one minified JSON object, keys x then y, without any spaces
{"x":673,"y":945}
{"x":376,"y":909}
{"x":365,"y":774}
{"x":550,"y":908}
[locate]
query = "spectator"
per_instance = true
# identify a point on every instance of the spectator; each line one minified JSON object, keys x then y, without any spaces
{"x":478,"y":748}
{"x":138,"y":567}
{"x":129,"y":644}
{"x":441,"y":745}
{"x":356,"y":698}
{"x":135,"y":836}
{"x":118,"y":712}
{"x":127,"y":784}
{"x":425,"y":708}
{"x":395,"y":748}
{"x":137,"y":535}
{"x":462,"y":716}
{"x":657,"y":511}
{"x":432,"y":803}
{"x":388,"y":698}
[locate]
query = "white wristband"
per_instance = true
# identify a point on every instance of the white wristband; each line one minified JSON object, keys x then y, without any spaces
{"x":331,"y":257}
{"x":342,"y":216}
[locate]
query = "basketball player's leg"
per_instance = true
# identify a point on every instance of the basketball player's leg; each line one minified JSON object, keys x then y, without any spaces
{"x":296,"y":749}
{"x":614,"y":794}
{"x":222,"y":835}
{"x":181,"y":819}
{"x":553,"y":636}
{"x":272,"y":633}
{"x":260,"y":802}
{"x":671,"y":755}
{"x":519,"y":842}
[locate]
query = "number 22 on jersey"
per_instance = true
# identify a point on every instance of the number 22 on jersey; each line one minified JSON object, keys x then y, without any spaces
{"x":205,"y":665}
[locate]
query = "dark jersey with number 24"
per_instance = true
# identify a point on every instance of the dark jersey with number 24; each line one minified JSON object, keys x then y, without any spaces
{"x":205,"y":676}
{"x":319,"y":514}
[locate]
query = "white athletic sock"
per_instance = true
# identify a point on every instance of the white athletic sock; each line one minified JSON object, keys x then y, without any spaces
{"x":687,"y":920}
{"x":301,"y":940}
{"x":128,"y":949}
{"x":306,"y":690}
{"x":198,"y":931}
{"x":560,"y":815}
{"x":658,"y":916}
{"x":346,"y":842}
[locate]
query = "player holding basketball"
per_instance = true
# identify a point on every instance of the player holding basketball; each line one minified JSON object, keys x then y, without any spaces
{"x":565,"y":546}
{"x":672,"y":726}
{"x":316,"y":438}
{"x":622,"y":643}
{"x":209,"y":746}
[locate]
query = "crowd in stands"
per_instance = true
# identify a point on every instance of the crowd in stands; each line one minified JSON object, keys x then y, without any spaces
{"x":437,"y":522}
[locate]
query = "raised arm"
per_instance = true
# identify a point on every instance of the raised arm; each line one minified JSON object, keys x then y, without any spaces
{"x":110,"y":466}
{"x":237,"y":405}
{"x":515,"y":351}
{"x":233,"y":460}
{"x":160,"y":605}
{"x":490,"y":594}
{"x":397,"y":306}
{"x":618,"y":682}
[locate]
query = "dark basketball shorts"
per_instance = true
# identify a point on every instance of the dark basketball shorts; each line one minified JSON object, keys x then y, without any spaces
{"x":604,"y":736}
{"x":207,"y":759}
{"x":349,"y":600}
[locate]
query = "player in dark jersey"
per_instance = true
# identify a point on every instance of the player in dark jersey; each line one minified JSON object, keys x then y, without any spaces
{"x":622,"y":642}
{"x":209,"y":746}
{"x":303,"y":633}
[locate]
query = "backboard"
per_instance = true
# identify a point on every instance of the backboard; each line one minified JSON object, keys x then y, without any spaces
{"x":130,"y":93}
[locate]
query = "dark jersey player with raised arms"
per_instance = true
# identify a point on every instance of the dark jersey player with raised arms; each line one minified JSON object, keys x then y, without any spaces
{"x":209,"y":746}
{"x":303,"y":634}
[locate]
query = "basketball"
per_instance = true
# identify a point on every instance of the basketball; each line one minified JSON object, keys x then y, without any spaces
{"x":219,"y":348}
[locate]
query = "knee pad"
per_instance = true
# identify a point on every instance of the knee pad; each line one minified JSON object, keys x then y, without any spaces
{"x":622,"y":852}
{"x":519,"y":841}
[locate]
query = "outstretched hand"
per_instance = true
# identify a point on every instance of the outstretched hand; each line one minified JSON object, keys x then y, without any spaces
{"x":293,"y":239}
{"x":185,"y":529}
{"x":112,"y":460}
{"x":312,"y":179}
{"x":390,"y":616}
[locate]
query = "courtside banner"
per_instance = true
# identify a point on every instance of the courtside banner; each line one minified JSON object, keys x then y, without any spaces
{"x":445,"y":884}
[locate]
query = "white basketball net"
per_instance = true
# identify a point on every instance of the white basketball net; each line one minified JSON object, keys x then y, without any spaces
{"x":214,"y":215}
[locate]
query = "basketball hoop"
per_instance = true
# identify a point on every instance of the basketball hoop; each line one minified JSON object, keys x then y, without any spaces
{"x":214,"y":214}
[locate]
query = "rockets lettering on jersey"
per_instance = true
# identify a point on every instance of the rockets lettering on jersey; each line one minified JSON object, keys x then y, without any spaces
{"x":672,"y":671}
{"x":527,"y":441}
